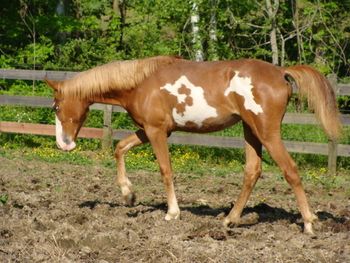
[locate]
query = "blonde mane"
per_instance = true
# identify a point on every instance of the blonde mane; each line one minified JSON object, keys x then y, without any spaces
{"x":118,"y":75}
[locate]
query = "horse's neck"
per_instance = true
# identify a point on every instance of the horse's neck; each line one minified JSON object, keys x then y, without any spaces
{"x":116,"y":98}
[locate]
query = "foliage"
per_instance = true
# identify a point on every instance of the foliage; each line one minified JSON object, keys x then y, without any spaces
{"x":3,"y":199}
{"x":79,"y":34}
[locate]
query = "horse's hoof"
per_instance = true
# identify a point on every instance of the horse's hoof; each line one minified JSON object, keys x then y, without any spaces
{"x":130,"y":199}
{"x":171,"y":216}
{"x":228,"y":223}
{"x":308,"y":229}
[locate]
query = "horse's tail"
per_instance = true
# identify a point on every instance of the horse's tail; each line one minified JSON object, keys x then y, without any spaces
{"x":320,"y":95}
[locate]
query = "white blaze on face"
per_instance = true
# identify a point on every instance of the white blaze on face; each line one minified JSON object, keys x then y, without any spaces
{"x":198,"y":111}
{"x":60,"y":138}
{"x":243,"y":86}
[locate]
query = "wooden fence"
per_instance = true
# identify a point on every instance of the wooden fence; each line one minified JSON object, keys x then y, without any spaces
{"x":332,"y":149}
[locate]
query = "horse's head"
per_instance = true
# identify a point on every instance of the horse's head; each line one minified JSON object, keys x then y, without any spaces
{"x":71,"y":113}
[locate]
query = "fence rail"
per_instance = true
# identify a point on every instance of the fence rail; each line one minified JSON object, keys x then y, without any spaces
{"x":37,"y":101}
{"x":176,"y":138}
{"x":332,"y":149}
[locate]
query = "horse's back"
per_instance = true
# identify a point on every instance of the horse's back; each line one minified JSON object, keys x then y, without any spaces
{"x":204,"y":72}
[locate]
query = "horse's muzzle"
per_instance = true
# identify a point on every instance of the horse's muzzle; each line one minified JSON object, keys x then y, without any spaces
{"x":65,"y":146}
{"x":64,"y":142}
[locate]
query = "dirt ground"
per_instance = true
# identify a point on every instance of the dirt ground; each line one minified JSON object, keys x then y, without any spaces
{"x":71,"y":213}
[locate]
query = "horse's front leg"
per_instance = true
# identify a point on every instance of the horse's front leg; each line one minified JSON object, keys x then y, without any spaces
{"x":122,"y":148}
{"x":158,"y":140}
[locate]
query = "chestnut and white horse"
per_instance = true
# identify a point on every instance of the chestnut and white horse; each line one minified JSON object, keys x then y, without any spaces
{"x":165,"y":94}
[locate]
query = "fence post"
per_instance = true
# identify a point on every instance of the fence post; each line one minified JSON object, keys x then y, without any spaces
{"x":107,"y":128}
{"x":332,"y":144}
{"x":332,"y":156}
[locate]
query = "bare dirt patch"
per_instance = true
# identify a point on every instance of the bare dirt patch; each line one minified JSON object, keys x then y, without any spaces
{"x":71,"y":213}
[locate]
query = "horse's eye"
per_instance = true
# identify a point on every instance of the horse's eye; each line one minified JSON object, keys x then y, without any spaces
{"x":55,"y":108}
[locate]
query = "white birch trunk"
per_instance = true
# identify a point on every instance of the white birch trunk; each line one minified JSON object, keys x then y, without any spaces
{"x":60,"y":8}
{"x":212,"y":33}
{"x":196,"y":40}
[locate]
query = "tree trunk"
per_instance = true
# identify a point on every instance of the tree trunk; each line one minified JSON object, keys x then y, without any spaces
{"x":196,"y":40}
{"x":296,"y":24}
{"x":60,"y":8}
{"x":119,"y":7}
{"x":271,"y":12}
{"x":213,"y":55}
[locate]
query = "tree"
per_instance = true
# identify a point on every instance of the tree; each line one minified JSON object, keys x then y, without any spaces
{"x":272,"y":10}
{"x":119,"y":8}
{"x":79,"y":34}
{"x":212,"y":52}
{"x":197,"y":45}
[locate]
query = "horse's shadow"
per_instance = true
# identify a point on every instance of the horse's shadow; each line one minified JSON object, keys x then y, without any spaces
{"x":265,"y":212}
{"x":92,"y":204}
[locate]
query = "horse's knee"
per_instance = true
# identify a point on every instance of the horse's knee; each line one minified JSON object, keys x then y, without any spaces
{"x":118,"y":151}
{"x":293,"y":179}
{"x":292,"y":176}
{"x":121,"y":149}
{"x":252,"y":174}
{"x":166,"y":171}
{"x":253,"y":170}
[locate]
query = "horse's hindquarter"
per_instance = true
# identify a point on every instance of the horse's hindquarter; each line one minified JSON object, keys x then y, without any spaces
{"x":206,"y":96}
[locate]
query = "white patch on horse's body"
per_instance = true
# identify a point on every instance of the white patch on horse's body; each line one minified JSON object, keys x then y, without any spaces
{"x":198,"y":111}
{"x":243,"y":86}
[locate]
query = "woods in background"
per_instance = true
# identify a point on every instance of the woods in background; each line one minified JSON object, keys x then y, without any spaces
{"x":79,"y":34}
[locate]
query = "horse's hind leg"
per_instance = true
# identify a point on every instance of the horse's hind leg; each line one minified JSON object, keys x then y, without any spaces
{"x":122,"y":147}
{"x":251,"y":174}
{"x":278,"y":152}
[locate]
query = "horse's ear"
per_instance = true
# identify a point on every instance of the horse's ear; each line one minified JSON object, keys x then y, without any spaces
{"x":53,"y":84}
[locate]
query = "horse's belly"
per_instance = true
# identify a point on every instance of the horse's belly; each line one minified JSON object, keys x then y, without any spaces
{"x":204,"y":121}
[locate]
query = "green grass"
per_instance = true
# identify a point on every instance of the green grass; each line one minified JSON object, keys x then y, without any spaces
{"x":4,"y":198}
{"x":188,"y":161}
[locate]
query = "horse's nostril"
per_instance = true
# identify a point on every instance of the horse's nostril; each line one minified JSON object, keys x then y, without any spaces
{"x":66,"y":139}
